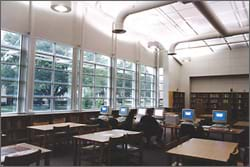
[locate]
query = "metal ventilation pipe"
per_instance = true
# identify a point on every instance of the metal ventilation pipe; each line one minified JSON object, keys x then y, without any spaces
{"x":172,"y":47}
{"x":118,"y":24}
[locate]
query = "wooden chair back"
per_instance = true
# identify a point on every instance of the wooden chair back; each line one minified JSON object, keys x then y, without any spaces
{"x":134,"y":139}
{"x":40,"y":123}
{"x":59,"y":120}
{"x":23,"y":160}
{"x":61,"y":129}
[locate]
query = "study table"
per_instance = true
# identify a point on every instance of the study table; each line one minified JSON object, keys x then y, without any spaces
{"x":24,"y":148}
{"x":46,"y":129}
{"x":242,"y":124}
{"x":212,"y":150}
{"x":101,"y":138}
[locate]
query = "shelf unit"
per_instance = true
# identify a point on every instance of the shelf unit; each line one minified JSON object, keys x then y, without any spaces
{"x":236,"y":103}
{"x":176,"y":101}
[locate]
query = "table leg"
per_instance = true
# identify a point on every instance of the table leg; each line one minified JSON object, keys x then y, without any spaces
{"x":172,"y":134}
{"x":47,"y":159}
{"x":75,"y":158}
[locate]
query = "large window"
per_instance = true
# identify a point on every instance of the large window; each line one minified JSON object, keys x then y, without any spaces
{"x":161,"y":86}
{"x":52,"y":85}
{"x":95,"y":80}
{"x":147,"y":86}
{"x":125,"y":83}
{"x":10,"y":66}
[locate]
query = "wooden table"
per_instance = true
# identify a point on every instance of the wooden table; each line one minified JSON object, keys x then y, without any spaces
{"x":206,"y":116}
{"x":213,"y":150}
{"x":24,"y":148}
{"x":48,"y":128}
{"x":242,"y":124}
{"x":232,"y":131}
{"x":101,"y":138}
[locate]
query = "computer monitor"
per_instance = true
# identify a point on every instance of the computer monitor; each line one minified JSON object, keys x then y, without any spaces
{"x":141,"y":111}
{"x":188,"y":114}
{"x":159,"y":113}
{"x":220,"y":116}
{"x":105,"y":110}
{"x":123,"y":111}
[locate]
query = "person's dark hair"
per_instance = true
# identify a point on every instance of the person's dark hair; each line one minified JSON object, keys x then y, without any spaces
{"x":132,"y":113}
{"x":150,"y":111}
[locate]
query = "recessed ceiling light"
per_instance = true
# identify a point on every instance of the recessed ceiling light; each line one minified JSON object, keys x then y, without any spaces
{"x":61,"y":6}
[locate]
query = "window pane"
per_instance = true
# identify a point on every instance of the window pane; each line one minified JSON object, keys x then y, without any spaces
{"x":9,"y":88}
{"x":119,"y":83}
{"x":8,"y":104}
{"x":100,"y":102}
{"x":142,"y":85}
{"x":119,"y":93}
{"x":63,"y":77}
{"x":149,"y":70}
{"x":87,"y":103}
{"x":9,"y":72}
{"x":88,"y":80}
{"x":161,"y":71}
{"x":119,"y":74}
{"x":89,"y":56}
{"x":161,"y":86}
{"x":142,"y":93}
{"x":119,"y":102}
{"x":130,"y":65}
{"x":129,"y":102}
{"x":43,"y":75}
{"x":101,"y":92}
{"x":161,"y":94}
{"x":87,"y":92}
{"x":149,"y":78}
{"x":63,"y":50}
{"x":62,"y":104}
{"x":102,"y":81}
{"x":41,"y":104}
{"x":10,"y":39}
{"x":161,"y":79}
{"x":128,"y":93}
{"x":62,"y":90}
{"x":100,"y":59}
{"x":42,"y":89}
{"x":102,"y":71}
{"x":43,"y":61}
{"x":10,"y":56}
{"x":44,"y":46}
{"x":142,"y":77}
{"x":129,"y":84}
{"x":119,"y":63}
{"x":143,"y":69}
{"x":63,"y":64}
{"x":148,"y":85}
{"x":130,"y":75}
{"x":88,"y":68}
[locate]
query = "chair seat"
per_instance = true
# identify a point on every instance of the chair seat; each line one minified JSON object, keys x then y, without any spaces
{"x":90,"y":147}
{"x":132,"y":148}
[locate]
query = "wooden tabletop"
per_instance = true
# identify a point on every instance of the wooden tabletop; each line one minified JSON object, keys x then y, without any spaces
{"x":103,"y":136}
{"x":50,"y":126}
{"x":233,"y":131}
{"x":20,"y":149}
{"x":206,"y":115}
{"x":242,"y":124}
{"x":205,"y":149}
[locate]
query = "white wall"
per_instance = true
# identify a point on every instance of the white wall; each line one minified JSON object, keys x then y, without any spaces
{"x":174,"y":74}
{"x":75,"y":28}
{"x":221,"y":63}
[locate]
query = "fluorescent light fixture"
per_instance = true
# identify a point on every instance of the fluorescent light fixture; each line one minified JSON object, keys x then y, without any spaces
{"x":61,"y":6}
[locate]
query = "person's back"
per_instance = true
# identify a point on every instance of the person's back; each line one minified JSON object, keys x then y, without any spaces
{"x":128,"y":123}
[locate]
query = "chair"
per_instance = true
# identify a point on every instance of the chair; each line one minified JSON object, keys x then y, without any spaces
{"x":60,"y":135}
{"x":234,"y":156}
{"x":23,"y":160}
{"x":116,"y":149}
{"x":37,"y":136}
{"x":59,"y":120}
{"x":134,"y":146}
{"x":183,"y":139}
{"x":187,"y":129}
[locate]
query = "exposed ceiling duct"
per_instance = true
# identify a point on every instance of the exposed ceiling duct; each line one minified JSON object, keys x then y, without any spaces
{"x":215,"y":22}
{"x":119,"y":21}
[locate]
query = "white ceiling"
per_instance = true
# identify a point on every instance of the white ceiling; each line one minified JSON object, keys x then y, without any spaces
{"x":173,"y":22}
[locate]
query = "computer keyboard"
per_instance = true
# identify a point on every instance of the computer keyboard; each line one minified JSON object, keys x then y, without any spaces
{"x":103,"y":117}
{"x":219,"y":126}
{"x":121,"y":119}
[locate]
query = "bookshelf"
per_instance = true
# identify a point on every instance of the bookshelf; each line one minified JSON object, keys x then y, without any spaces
{"x":176,"y":101}
{"x":236,"y":103}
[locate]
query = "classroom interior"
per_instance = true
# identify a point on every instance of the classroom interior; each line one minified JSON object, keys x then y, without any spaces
{"x":125,"y":83}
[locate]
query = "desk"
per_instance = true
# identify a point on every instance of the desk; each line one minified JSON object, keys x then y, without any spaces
{"x":233,"y":131}
{"x":242,"y":124}
{"x":48,"y":128}
{"x":206,"y":116}
{"x":98,"y":137}
{"x":205,"y":149}
{"x":173,"y":129}
{"x":23,"y":148}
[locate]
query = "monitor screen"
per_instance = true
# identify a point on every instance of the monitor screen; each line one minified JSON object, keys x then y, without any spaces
{"x":188,"y":114}
{"x":123,"y":111}
{"x":141,"y":111}
{"x":219,"y":116}
{"x":159,"y":113}
{"x":104,"y":110}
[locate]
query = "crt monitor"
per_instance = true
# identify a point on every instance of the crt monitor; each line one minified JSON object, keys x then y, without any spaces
{"x":105,"y":110}
{"x":141,"y":111}
{"x":123,"y":111}
{"x":159,"y":113}
{"x":219,"y":116}
{"x":188,"y":114}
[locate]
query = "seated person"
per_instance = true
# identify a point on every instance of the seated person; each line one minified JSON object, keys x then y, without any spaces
{"x":151,"y":127}
{"x":128,"y":124}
